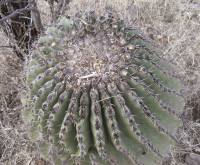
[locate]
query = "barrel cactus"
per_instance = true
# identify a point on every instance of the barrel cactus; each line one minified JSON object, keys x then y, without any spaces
{"x":98,"y":92}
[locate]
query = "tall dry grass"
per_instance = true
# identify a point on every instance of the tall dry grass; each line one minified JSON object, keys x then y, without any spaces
{"x":173,"y":25}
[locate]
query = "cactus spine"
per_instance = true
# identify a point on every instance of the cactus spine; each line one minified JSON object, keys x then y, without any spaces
{"x":99,"y":93}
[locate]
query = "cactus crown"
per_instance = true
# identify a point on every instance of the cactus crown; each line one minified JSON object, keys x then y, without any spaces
{"x":98,"y":92}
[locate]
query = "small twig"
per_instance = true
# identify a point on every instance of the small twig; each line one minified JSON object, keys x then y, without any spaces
{"x":89,"y":76}
{"x":16,"y":12}
{"x":5,"y":2}
{"x":60,"y":8}
{"x":35,"y":16}
{"x":21,"y":22}
{"x":5,"y":46}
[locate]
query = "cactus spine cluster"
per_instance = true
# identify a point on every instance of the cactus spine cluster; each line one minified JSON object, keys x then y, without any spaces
{"x":99,"y":93}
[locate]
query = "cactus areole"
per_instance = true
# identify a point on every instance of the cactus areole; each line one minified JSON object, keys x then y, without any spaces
{"x":98,"y":92}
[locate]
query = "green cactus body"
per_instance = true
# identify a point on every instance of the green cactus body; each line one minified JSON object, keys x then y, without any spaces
{"x":99,"y":93}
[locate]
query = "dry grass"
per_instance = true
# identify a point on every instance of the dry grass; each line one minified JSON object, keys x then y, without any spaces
{"x":173,"y":25}
{"x":15,"y":147}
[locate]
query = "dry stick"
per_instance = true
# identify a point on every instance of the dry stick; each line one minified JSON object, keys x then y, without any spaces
{"x":12,"y":42}
{"x":16,"y":12}
{"x":5,"y":46}
{"x":35,"y":15}
{"x":61,"y":7}
{"x":34,"y":25}
{"x":5,"y":2}
{"x":51,"y":5}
